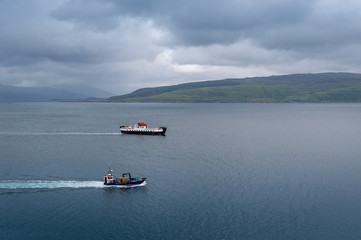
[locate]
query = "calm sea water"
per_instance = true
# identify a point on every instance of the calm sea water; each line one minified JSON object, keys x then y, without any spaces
{"x":223,"y":171}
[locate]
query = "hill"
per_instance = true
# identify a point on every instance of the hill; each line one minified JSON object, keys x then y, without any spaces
{"x":321,"y":87}
{"x":44,"y":94}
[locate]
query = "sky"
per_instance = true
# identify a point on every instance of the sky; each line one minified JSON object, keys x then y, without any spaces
{"x":123,"y":45}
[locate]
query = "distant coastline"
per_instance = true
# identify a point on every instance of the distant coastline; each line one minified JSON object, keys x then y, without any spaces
{"x":302,"y":88}
{"x":293,"y":88}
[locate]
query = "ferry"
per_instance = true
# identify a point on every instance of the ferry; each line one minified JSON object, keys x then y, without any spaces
{"x":125,"y":180}
{"x":142,"y":129}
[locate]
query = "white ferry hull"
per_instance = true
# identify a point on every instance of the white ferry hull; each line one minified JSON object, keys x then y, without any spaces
{"x":143,"y":131}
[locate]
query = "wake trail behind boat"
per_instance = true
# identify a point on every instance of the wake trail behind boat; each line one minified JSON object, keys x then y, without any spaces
{"x":44,"y":184}
{"x":59,"y":134}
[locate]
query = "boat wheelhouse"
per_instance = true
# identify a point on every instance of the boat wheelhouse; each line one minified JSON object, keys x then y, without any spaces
{"x":126,"y":179}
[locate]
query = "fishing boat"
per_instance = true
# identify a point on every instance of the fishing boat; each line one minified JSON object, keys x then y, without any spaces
{"x":142,"y":129}
{"x":125,"y":180}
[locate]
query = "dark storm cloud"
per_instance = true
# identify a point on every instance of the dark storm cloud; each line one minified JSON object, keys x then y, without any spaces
{"x":301,"y":26}
{"x":126,"y":44}
{"x":192,"y":22}
{"x":28,"y":36}
{"x":93,"y":14}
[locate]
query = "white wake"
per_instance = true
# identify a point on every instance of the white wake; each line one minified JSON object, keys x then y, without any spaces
{"x":44,"y":184}
{"x":60,"y":134}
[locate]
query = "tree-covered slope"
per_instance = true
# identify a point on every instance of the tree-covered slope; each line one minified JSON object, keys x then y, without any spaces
{"x":323,"y":87}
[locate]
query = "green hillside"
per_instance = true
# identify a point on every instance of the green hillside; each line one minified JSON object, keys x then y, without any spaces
{"x":322,"y":87}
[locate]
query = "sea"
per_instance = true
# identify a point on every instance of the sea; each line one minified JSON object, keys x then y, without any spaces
{"x":222,"y":171}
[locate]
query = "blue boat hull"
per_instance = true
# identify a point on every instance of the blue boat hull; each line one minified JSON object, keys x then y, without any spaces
{"x":129,"y":183}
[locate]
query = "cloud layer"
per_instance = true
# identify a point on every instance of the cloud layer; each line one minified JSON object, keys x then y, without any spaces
{"x":120,"y":46}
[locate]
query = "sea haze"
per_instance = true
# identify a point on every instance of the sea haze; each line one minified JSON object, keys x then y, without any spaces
{"x":223,"y":171}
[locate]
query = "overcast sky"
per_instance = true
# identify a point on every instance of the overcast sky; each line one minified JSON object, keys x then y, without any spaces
{"x":123,"y":45}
